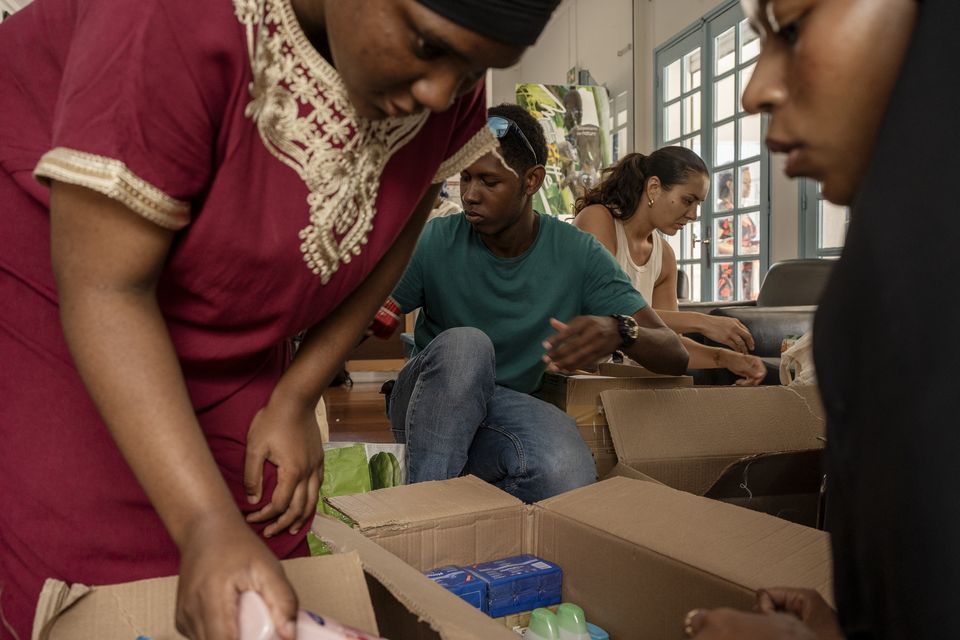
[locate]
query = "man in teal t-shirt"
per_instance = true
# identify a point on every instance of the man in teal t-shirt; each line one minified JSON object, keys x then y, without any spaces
{"x":503,"y":293}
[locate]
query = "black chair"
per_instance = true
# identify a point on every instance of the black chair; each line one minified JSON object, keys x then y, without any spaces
{"x":794,"y":283}
{"x":683,"y":286}
{"x":785,"y":306}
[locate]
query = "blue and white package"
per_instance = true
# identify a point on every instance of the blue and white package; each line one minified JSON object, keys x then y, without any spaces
{"x":520,"y":583}
{"x":463,"y":583}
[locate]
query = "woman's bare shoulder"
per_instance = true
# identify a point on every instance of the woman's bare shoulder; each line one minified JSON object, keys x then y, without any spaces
{"x":597,"y":220}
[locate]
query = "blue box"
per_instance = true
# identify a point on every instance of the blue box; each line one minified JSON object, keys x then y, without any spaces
{"x":520,"y":583}
{"x":463,"y":583}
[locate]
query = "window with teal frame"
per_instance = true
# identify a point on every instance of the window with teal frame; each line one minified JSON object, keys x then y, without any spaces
{"x":700,"y":76}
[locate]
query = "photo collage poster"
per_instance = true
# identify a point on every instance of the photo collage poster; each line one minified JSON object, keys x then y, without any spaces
{"x":575,"y":121}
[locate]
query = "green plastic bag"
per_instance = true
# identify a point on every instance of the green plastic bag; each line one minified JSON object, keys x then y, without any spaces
{"x":345,"y":472}
{"x":317,"y":546}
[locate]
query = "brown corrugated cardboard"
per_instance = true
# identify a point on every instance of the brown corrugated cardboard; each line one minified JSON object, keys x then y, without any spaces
{"x":579,"y":396}
{"x":460,"y":513}
{"x":407,"y":604}
{"x":330,"y":585}
{"x":361,"y":585}
{"x":687,"y":438}
{"x":636,"y":555}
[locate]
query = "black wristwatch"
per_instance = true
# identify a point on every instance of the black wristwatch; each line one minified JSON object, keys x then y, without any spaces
{"x":628,"y":329}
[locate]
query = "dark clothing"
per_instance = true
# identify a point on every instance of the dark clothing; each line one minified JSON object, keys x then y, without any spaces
{"x":888,"y":367}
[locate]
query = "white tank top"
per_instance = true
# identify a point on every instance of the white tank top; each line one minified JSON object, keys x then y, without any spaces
{"x":642,"y":277}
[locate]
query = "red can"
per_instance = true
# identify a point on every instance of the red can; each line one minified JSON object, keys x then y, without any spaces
{"x":386,"y":320}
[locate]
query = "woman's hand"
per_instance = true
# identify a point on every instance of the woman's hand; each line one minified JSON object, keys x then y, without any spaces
{"x":728,"y":331}
{"x":288,"y":437}
{"x":751,"y":369}
{"x":807,"y":605}
{"x":783,"y":614}
{"x":728,"y":624}
{"x":220,"y":559}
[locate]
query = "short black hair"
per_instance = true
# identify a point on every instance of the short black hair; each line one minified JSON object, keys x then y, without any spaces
{"x":512,"y":148}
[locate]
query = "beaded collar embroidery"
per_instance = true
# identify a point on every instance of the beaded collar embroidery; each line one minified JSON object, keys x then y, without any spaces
{"x":306,"y":121}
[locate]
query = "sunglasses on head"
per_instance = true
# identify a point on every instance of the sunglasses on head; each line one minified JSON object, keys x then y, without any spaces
{"x":500,"y":126}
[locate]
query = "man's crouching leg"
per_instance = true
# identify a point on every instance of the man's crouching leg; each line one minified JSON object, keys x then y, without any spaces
{"x":440,"y":399}
{"x":529,"y":448}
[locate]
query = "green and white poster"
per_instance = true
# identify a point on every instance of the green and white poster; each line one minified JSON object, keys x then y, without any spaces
{"x":574,"y":119}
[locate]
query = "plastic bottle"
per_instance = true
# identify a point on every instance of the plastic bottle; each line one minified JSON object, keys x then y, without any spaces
{"x":596,"y":633}
{"x":543,"y":625}
{"x":256,"y":624}
{"x":571,"y":622}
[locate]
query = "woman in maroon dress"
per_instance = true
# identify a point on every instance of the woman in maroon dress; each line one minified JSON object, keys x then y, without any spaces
{"x":184,"y":186}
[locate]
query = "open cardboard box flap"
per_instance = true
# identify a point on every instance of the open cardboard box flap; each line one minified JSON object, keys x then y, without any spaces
{"x":330,"y":585}
{"x":361,"y":585}
{"x":687,"y":437}
{"x":397,"y":583}
{"x":737,"y":546}
{"x":390,"y":508}
{"x":748,"y":548}
{"x":577,"y":394}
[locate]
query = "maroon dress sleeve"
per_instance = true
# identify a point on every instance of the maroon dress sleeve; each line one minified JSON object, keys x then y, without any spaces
{"x":137,"y":111}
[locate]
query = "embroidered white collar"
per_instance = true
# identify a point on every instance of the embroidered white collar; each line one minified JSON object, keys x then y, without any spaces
{"x":306,"y":121}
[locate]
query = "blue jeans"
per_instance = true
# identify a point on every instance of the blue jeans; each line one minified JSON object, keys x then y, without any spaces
{"x":455,"y":420}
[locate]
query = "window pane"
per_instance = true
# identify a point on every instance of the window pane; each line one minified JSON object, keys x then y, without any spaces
{"x":693,"y":278}
{"x":671,"y":82}
{"x":676,"y":244}
{"x":693,"y":144}
{"x":749,"y":185}
{"x":620,"y":144}
{"x":725,"y":98}
{"x":723,"y":189}
{"x":723,"y":287}
{"x":749,"y":42}
{"x":723,"y":145}
{"x":833,"y":225}
{"x":726,"y":44}
{"x":671,"y":122}
{"x":622,"y":117}
{"x":749,"y":228}
{"x":723,"y":236}
{"x":691,"y":70}
{"x":745,"y":75}
{"x":691,"y":113}
{"x":750,"y":141}
{"x":691,"y":241}
{"x":749,"y":280}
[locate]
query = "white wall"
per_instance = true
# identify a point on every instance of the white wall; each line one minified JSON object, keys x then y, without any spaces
{"x":589,"y":34}
{"x":659,"y":21}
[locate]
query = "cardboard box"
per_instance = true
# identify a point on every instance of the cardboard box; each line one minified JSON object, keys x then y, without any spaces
{"x":635,"y":555}
{"x":758,"y":447}
{"x":361,"y":585}
{"x":579,"y":397}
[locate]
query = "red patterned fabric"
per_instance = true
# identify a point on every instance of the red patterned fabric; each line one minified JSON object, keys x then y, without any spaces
{"x":160,"y":85}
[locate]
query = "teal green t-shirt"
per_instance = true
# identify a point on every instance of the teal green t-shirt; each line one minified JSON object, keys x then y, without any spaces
{"x":458,"y":282}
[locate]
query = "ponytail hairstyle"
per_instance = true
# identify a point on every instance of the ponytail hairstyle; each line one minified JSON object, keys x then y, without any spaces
{"x":622,"y":185}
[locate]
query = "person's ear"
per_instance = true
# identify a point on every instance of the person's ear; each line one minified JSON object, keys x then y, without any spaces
{"x":653,"y":189}
{"x":533,"y":179}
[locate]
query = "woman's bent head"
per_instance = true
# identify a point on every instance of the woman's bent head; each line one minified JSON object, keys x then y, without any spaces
{"x":398,"y":57}
{"x":667,"y":187}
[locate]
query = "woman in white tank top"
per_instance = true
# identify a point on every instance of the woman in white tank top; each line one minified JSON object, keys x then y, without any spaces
{"x":640,"y":198}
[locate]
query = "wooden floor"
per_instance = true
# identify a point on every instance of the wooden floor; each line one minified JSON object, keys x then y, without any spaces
{"x":356,"y":413}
